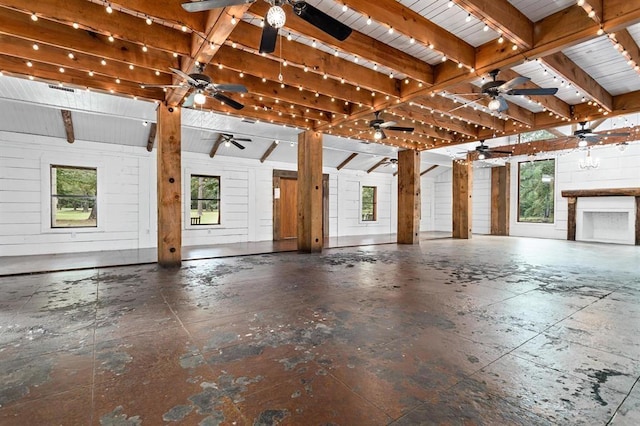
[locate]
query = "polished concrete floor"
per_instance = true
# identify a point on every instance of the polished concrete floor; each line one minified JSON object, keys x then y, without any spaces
{"x":17,"y":265}
{"x":493,"y":330}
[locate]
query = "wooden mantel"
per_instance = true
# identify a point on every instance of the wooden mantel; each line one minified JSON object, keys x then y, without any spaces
{"x":573,"y":196}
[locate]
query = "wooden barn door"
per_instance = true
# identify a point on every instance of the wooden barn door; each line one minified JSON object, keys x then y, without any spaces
{"x":288,"y":208}
{"x":285,"y":204}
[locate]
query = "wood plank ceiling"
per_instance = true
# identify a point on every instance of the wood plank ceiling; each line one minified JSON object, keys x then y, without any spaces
{"x":397,"y":60}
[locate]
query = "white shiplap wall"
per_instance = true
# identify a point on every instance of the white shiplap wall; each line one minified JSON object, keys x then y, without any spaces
{"x":617,"y":170}
{"x":481,"y":200}
{"x":443,"y":197}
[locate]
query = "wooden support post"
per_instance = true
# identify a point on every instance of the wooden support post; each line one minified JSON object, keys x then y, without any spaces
{"x":461,"y":209}
{"x":500,"y":196}
{"x":408,"y":197}
{"x":571,"y":218}
{"x":310,"y":238}
{"x":638,"y":220}
{"x":169,"y":187}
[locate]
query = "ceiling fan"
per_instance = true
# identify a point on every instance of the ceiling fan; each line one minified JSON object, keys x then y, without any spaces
{"x":496,"y":89}
{"x":200,"y":86}
{"x":276,"y":18}
{"x":393,"y":162}
{"x":485,"y":152}
{"x":230,"y":139}
{"x":379,"y":126}
{"x":586,"y":136}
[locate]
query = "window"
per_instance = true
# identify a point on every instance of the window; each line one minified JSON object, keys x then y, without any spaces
{"x":536,"y":191}
{"x":205,"y":200}
{"x":369,"y":201}
{"x":74,"y":197}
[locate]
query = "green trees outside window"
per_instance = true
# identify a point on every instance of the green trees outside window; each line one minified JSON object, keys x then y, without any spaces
{"x":369,"y":201}
{"x":73,"y":197}
{"x":205,"y":200}
{"x":536,"y":191}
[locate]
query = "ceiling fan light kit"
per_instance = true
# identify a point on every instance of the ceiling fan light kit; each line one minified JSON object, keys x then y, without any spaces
{"x":276,"y":16}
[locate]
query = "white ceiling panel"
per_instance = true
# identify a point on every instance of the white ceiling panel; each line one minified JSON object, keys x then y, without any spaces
{"x":601,"y":60}
{"x":109,"y":129}
{"x":32,"y":119}
{"x":537,"y":10}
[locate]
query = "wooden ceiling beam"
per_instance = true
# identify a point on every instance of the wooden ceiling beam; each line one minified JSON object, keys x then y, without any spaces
{"x":428,"y":170}
{"x":259,"y":115}
{"x":412,"y":24}
{"x":378,"y":164}
{"x":347,"y":160}
{"x":406,"y":143}
{"x":261,"y":67}
{"x":216,"y":146}
{"x":162,"y":13}
{"x":568,"y":69}
{"x":269,"y":89}
{"x":151,"y":139}
{"x":278,"y":107}
{"x":269,"y":150}
{"x":358,"y":44}
{"x":502,"y":15}
{"x":76,"y":78}
{"x":65,"y":37}
{"x":628,"y":45}
{"x":443,"y":106}
{"x":68,"y":125}
{"x":218,"y":26}
{"x":426,"y":117}
{"x":297,"y":54}
{"x":92,"y":16}
{"x":21,"y":48}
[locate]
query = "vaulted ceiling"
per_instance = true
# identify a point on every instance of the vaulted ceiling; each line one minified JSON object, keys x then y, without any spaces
{"x":421,"y":62}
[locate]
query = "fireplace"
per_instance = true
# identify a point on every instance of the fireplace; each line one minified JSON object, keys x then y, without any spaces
{"x":609,"y":215}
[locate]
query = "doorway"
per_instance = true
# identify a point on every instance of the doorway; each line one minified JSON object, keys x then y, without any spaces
{"x":285,"y":205}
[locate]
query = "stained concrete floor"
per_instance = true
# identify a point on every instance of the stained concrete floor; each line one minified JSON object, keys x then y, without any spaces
{"x":486,"y":331}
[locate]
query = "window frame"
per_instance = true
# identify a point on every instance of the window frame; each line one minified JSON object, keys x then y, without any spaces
{"x":190,"y":224}
{"x":52,"y":195}
{"x":374,"y":204}
{"x":72,"y":161}
{"x":553,"y":193}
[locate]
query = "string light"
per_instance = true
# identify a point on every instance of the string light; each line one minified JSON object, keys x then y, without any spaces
{"x":75,"y":25}
{"x":109,"y":9}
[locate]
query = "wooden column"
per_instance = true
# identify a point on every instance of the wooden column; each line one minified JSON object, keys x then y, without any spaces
{"x":638,"y":220}
{"x":169,"y":187}
{"x":500,"y":195}
{"x":461,"y":209}
{"x":571,"y":218}
{"x":408,"y":197}
{"x":310,"y":192}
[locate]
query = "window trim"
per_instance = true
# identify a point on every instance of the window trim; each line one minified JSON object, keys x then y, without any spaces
{"x":555,"y":168}
{"x":375,"y":204}
{"x":61,"y":160}
{"x":58,"y":196}
{"x":219,"y":199}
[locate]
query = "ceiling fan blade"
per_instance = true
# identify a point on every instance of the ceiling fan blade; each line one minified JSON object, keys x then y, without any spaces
{"x":388,"y":124}
{"x":184,"y":75}
{"x":400,"y":129}
{"x":621,"y":135}
{"x":269,"y":38}
{"x":201,"y":6}
{"x":238,"y":88}
{"x":321,"y":20}
{"x":233,"y":141}
{"x":227,"y":100}
{"x":384,"y":135}
{"x":243,"y":139}
{"x":592,"y":139}
{"x":503,"y":104}
{"x":497,"y":151}
{"x":512,"y":83}
{"x":533,"y":92}
{"x":189,"y":101}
